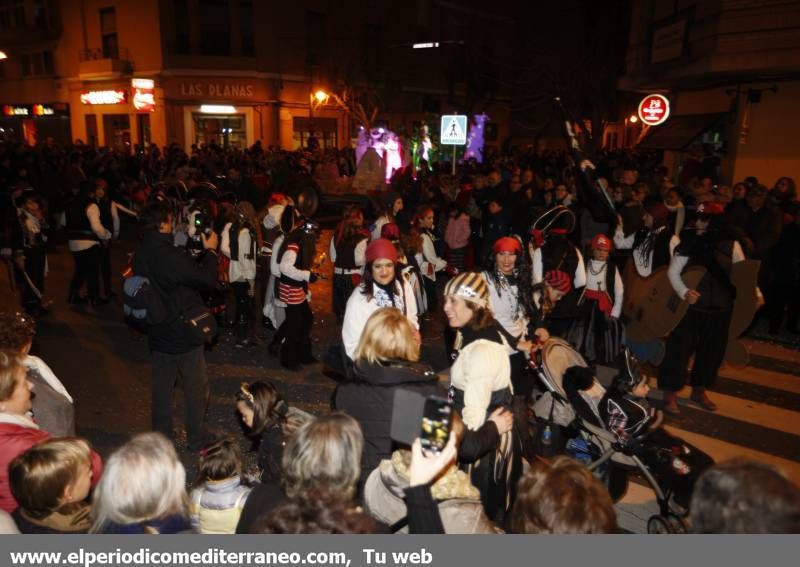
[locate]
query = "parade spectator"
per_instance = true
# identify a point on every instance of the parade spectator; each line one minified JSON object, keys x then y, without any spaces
{"x":142,"y":490}
{"x":386,"y":359}
{"x":53,"y":409}
{"x":178,"y":280}
{"x":270,"y":421}
{"x":219,"y":494}
{"x":18,"y":432}
{"x":51,"y":481}
{"x":745,"y":497}
{"x":562,"y":498}
{"x":322,"y":460}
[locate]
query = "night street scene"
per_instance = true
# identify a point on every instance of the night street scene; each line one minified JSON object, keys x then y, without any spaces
{"x":427,"y":267}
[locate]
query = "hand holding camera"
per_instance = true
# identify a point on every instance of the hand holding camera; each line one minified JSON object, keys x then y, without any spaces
{"x":426,"y":467}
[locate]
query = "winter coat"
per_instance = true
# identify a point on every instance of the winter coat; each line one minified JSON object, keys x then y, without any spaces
{"x":52,"y":404}
{"x":174,"y":524}
{"x":458,"y":500}
{"x":17,"y":435}
{"x":179,"y":280}
{"x":369,"y":400}
{"x":75,"y":521}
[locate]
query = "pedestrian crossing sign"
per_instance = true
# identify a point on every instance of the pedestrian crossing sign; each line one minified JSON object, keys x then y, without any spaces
{"x":454,"y":130}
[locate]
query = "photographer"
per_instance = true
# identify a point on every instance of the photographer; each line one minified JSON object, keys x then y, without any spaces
{"x":177,"y":280}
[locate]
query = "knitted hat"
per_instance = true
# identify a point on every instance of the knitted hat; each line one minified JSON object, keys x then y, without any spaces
{"x":602,"y":242}
{"x":390,"y":231}
{"x":469,"y":286}
{"x":381,"y":248}
{"x":481,"y":368}
{"x":660,"y":214}
{"x":507,"y":244}
{"x":558,"y":280}
{"x":710,"y":208}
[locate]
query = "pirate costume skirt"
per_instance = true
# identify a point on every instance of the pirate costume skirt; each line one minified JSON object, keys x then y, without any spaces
{"x":597,"y":337}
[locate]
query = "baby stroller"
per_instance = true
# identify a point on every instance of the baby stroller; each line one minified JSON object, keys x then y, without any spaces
{"x":605,"y":454}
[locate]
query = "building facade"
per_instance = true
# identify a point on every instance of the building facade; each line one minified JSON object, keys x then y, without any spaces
{"x":233,"y":72}
{"x":731,"y":72}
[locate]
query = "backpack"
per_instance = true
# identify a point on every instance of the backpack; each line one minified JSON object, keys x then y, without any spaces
{"x":142,"y":303}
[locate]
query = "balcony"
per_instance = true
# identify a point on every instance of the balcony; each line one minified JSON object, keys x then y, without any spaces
{"x":96,"y":65}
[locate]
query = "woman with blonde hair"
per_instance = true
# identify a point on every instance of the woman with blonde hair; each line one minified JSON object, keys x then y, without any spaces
{"x":386,"y":358}
{"x":143,"y":490}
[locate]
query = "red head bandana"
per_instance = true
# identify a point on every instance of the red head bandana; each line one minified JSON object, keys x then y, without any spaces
{"x":558,"y":280}
{"x":507,"y":244}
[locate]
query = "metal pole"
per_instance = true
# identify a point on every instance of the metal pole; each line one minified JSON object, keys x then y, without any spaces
{"x":453,"y":170}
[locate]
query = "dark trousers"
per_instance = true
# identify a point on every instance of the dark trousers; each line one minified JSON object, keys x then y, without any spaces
{"x":190,"y":369}
{"x":104,"y":259}
{"x":704,"y":334}
{"x":86,"y":271}
{"x":257,"y":301}
{"x":343,"y":286}
{"x":34,"y":269}
{"x":244,"y":308}
{"x":430,"y":292}
{"x":297,"y":335}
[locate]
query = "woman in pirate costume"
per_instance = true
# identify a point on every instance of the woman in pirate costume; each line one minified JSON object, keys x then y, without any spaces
{"x":550,"y":250}
{"x":597,"y":332}
{"x":346,"y":250}
{"x":653,"y":244}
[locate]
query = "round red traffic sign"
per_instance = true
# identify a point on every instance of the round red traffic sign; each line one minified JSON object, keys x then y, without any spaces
{"x":654,"y":109}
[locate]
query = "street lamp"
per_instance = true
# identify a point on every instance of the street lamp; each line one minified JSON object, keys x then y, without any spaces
{"x":321,"y":96}
{"x":3,"y":55}
{"x":633,"y":119}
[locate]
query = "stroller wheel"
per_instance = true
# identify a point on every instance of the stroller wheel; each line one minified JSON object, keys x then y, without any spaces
{"x":677,"y":524}
{"x":659,"y":525}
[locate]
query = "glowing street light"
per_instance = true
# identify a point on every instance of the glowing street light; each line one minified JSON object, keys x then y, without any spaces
{"x":633,"y":119}
{"x":321,"y":96}
{"x":3,"y":55}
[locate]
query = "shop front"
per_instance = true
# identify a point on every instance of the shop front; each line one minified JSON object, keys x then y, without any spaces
{"x":230,"y":112}
{"x":35,"y":123}
{"x":120,"y":115}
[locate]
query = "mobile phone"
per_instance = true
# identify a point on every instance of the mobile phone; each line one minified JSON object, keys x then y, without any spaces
{"x":437,"y":418}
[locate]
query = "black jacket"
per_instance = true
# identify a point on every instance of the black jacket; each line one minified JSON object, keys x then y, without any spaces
{"x":369,"y":400}
{"x":179,"y":280}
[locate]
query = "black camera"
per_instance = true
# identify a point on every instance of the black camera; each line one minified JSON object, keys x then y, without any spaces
{"x":202,"y":224}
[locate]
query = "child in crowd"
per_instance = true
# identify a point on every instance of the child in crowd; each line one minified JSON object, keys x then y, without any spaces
{"x":219,"y":497}
{"x":269,"y":420}
{"x":51,"y":482}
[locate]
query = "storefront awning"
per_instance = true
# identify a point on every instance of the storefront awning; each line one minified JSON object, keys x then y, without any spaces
{"x":679,"y":131}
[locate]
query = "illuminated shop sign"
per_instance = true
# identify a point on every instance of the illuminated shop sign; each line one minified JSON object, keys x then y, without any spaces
{"x":654,"y":109}
{"x":29,"y":110}
{"x":143,"y":83}
{"x":10,"y":110}
{"x":117,"y":96}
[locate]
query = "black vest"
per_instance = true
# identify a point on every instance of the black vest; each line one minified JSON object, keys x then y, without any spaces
{"x":105,"y":213}
{"x":233,"y":237}
{"x":346,"y":251}
{"x":304,"y":255}
{"x":716,"y":290}
{"x":77,"y":221}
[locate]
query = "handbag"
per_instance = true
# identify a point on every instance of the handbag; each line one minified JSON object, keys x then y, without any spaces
{"x":200,"y":323}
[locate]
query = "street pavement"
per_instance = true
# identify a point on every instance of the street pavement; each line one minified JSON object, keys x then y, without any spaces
{"x":105,"y":366}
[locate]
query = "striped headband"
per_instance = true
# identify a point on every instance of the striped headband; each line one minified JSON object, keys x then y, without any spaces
{"x":470,"y":286}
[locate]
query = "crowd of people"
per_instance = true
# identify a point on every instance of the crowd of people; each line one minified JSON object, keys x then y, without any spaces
{"x":514,"y":254}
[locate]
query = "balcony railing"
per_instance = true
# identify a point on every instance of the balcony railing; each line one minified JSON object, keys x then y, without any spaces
{"x":96,"y":64}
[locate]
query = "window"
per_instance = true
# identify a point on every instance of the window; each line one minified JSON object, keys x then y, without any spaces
{"x":215,"y":27}
{"x":182,"y":42}
{"x":12,"y":14}
{"x":37,"y":64}
{"x":316,"y":37}
{"x":108,"y":32}
{"x":246,"y":28}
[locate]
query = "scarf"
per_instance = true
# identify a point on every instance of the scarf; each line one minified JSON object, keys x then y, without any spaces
{"x":387,"y":296}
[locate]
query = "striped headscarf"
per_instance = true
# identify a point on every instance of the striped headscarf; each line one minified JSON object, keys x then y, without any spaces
{"x":470,"y":286}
